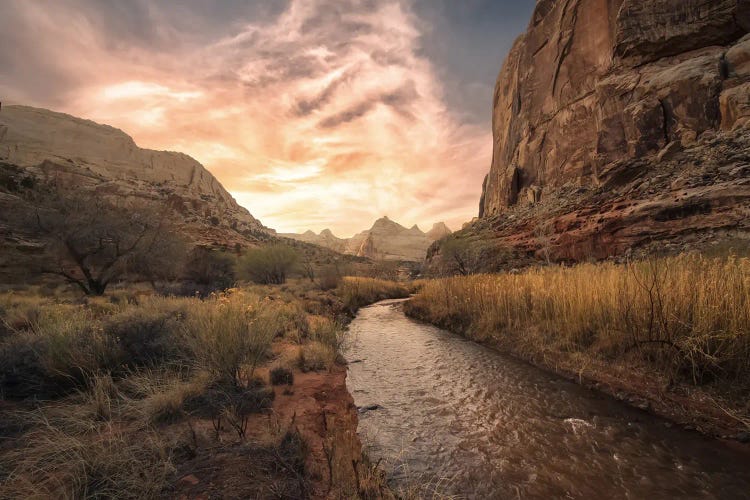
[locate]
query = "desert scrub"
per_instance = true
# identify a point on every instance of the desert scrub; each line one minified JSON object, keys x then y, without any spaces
{"x":316,"y":356}
{"x":102,"y":462}
{"x":688,"y":316}
{"x":149,"y":333}
{"x":229,"y":334}
{"x":328,"y":332}
{"x":281,"y":375}
{"x":291,"y":319}
{"x":159,"y":396}
{"x":59,"y":351}
{"x":358,"y":292}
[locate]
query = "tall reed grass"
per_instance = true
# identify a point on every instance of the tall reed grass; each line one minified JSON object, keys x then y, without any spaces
{"x":358,"y":292}
{"x":688,"y":315}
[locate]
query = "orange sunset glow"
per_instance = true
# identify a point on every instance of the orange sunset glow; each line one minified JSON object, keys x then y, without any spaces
{"x":313,"y":114}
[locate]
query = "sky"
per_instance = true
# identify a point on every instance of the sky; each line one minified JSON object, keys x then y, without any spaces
{"x":314,"y":114}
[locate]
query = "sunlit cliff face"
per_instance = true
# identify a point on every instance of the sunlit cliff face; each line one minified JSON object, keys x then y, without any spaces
{"x":324,"y":114}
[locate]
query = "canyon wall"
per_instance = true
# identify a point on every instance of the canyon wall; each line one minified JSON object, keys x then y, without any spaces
{"x":595,"y":82}
{"x":621,"y":127}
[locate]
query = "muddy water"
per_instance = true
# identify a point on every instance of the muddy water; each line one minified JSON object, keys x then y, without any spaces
{"x":482,"y":425}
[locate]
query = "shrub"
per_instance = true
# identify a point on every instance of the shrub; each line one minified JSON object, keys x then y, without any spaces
{"x":65,"y":346}
{"x":329,"y":277}
{"x":149,"y":333}
{"x":226,"y":334}
{"x":328,"y":332}
{"x":292,"y":320}
{"x":230,"y":403}
{"x":281,"y":376}
{"x":316,"y":357}
{"x":211,"y":270}
{"x":268,"y":265}
{"x":293,"y":451}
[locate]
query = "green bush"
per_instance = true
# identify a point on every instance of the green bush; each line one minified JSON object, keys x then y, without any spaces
{"x":211,"y":270}
{"x":268,"y":265}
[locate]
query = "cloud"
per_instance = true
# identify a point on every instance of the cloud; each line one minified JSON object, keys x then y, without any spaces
{"x":313,"y":113}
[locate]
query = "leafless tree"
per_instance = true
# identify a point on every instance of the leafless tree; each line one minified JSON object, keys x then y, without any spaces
{"x":90,"y":241}
{"x":460,"y":256}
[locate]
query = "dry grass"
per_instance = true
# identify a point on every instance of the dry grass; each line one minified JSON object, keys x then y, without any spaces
{"x":97,"y":389}
{"x":316,"y":356}
{"x":688,"y":316}
{"x":81,"y":447}
{"x":230,"y":334}
{"x":106,"y":463}
{"x":358,"y":292}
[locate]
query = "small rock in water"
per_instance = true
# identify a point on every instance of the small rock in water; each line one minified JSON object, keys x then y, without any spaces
{"x":363,"y":409}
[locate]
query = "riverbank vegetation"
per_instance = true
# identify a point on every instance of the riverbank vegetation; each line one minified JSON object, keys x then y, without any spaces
{"x":681,"y":320}
{"x":139,"y":395}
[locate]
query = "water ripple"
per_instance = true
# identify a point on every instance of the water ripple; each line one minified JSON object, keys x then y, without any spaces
{"x":487,"y":426}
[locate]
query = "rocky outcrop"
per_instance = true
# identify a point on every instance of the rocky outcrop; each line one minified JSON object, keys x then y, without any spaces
{"x":385,"y":240}
{"x":55,"y":147}
{"x":593,"y":82}
{"x":604,"y":96}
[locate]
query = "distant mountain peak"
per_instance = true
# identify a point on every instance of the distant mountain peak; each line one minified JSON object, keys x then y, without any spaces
{"x":386,"y":240}
{"x":439,"y":231}
{"x":386,"y":223}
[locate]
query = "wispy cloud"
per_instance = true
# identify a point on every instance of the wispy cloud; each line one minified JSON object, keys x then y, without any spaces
{"x":325,"y":114}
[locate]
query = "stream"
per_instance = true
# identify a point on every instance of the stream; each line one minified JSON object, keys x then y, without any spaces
{"x":464,"y":420}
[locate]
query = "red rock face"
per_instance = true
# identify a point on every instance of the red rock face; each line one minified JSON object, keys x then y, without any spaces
{"x":593,"y":82}
{"x":620,"y":124}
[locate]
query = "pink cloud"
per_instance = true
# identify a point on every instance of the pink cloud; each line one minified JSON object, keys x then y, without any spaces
{"x":328,"y":116}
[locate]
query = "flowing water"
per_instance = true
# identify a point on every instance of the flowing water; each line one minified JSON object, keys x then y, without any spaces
{"x":478,"y":424}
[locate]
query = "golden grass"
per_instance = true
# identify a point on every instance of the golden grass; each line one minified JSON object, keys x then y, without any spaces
{"x":231,"y":332}
{"x":316,"y":356}
{"x":358,"y":292}
{"x":688,"y":314}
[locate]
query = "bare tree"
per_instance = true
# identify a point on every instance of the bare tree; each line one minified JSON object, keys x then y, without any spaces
{"x":543,"y":232}
{"x":460,"y":256}
{"x":90,"y":242}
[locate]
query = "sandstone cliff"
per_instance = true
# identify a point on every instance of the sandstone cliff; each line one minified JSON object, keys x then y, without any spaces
{"x":56,"y":147}
{"x":385,"y":240}
{"x":619,"y":123}
{"x":593,"y":82}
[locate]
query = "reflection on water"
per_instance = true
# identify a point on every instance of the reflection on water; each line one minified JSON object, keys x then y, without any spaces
{"x":484,"y":425}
